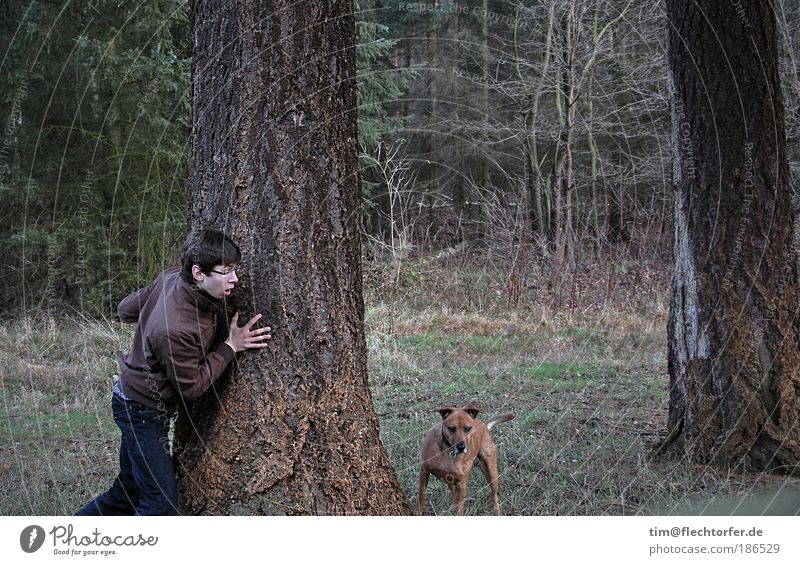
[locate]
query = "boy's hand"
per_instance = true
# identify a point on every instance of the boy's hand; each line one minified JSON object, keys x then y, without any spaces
{"x":241,"y":338}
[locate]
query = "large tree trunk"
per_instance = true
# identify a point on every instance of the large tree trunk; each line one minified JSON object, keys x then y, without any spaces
{"x":292,"y":430}
{"x":734,"y":352}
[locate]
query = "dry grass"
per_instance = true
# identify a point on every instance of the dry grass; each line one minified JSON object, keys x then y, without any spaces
{"x":59,"y":440}
{"x":582,"y":367}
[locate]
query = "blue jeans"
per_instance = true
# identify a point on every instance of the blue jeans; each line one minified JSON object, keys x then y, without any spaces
{"x":146,"y":483}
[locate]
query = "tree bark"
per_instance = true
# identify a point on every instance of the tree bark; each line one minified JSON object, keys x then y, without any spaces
{"x":733,"y":327}
{"x":292,"y":429}
{"x":563,"y":173}
{"x":540,"y":208}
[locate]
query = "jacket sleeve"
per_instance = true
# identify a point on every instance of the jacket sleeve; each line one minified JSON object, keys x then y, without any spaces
{"x":189,"y":370}
{"x":128,"y":310}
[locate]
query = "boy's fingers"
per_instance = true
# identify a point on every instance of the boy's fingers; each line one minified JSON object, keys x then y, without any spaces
{"x":257,"y":341}
{"x":252,"y":321}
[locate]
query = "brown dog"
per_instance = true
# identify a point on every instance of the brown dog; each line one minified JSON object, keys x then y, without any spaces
{"x":451,"y":450}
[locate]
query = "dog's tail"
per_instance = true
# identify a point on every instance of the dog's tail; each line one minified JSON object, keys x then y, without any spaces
{"x":499,"y":419}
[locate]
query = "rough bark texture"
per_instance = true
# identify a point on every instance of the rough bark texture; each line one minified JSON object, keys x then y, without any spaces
{"x":733,"y":328}
{"x":292,"y":429}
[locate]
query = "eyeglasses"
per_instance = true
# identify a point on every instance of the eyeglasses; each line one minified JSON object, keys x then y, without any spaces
{"x":225,"y":273}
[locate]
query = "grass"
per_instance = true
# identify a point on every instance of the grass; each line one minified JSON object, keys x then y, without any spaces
{"x":576,"y":423}
{"x":58,"y":439}
{"x":587,"y":383}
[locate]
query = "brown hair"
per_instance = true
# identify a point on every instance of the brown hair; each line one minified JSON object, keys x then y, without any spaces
{"x":206,"y":249}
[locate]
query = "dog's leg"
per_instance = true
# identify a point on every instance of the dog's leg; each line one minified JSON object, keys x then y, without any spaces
{"x":488,"y":467}
{"x":458,"y":492}
{"x":423,"y":487}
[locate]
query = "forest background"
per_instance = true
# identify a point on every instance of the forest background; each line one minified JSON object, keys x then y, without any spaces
{"x":517,"y":180}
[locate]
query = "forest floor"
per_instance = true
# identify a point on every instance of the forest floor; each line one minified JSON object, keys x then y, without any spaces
{"x":581,"y":363}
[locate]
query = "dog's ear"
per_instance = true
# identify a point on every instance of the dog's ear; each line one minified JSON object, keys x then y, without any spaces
{"x":472,"y":409}
{"x":445,"y":411}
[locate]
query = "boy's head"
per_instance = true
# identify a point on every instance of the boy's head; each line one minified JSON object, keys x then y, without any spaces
{"x":207,"y":249}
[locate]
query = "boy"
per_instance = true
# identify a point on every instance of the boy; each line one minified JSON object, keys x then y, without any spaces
{"x":181,"y":346}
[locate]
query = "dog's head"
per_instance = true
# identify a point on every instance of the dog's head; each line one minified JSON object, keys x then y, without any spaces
{"x":457,"y":425}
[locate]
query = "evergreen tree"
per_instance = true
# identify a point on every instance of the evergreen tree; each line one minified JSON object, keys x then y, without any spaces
{"x":93,"y":179}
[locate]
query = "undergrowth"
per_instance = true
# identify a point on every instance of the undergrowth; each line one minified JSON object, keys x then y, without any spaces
{"x":583,"y":369}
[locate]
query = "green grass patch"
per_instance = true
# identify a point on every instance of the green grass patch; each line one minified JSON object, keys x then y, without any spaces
{"x":587,"y":387}
{"x":579,"y":333}
{"x":471,"y":344}
{"x":54,"y":426}
{"x":561,"y":376}
{"x":551,"y":371}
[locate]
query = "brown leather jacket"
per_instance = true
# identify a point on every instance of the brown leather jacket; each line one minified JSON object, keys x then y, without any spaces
{"x":171,"y":356}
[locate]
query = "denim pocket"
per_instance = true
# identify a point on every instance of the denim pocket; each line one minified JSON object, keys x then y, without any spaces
{"x":132,"y":411}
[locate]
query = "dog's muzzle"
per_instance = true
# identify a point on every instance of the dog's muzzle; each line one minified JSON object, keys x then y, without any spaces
{"x":458,"y":449}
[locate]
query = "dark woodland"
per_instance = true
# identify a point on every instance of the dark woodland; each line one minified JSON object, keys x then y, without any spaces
{"x":579,"y":211}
